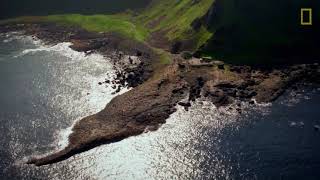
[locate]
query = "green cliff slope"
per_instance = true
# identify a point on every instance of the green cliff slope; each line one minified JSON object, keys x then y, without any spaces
{"x":173,"y":19}
{"x":254,"y":32}
{"x":265,"y":32}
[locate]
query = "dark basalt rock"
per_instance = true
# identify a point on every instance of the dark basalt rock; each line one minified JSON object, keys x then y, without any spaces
{"x":151,"y":103}
{"x":118,"y":89}
{"x":139,"y":53}
{"x":196,"y":24}
{"x":176,"y":47}
{"x":108,"y":44}
{"x":152,"y":100}
{"x":195,"y":90}
{"x":221,"y":66}
{"x":186,"y":105}
{"x":186,"y":55}
{"x":182,"y":66}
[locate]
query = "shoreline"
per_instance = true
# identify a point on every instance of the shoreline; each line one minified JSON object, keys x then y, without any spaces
{"x":155,"y":92}
{"x":132,"y":59}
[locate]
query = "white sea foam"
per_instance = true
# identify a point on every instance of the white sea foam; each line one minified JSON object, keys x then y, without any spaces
{"x":17,"y":35}
{"x":83,"y":72}
{"x":63,"y":138}
{"x":262,"y":104}
{"x":8,"y":40}
{"x":61,"y":48}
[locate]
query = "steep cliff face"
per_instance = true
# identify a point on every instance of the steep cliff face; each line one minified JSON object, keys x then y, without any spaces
{"x":261,"y":31}
{"x":250,"y":31}
{"x":171,"y":23}
{"x":264,"y":32}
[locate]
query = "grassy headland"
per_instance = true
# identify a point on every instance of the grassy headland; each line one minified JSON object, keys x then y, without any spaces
{"x":233,"y":31}
{"x":95,"y":23}
{"x":173,"y":18}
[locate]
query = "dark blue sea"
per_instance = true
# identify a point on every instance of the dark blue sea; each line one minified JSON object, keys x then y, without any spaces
{"x":45,"y":89}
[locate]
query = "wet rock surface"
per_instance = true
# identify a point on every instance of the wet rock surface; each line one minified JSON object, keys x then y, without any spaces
{"x":158,"y":91}
{"x":151,"y":103}
{"x":131,"y":59}
{"x":129,"y":114}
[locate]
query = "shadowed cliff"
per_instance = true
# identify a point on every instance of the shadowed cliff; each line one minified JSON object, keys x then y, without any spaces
{"x":262,"y":32}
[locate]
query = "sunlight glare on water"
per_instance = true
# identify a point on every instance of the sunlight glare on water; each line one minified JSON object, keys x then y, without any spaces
{"x":175,"y":151}
{"x":48,"y":88}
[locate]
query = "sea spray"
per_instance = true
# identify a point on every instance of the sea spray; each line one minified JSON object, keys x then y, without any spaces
{"x":92,"y":98}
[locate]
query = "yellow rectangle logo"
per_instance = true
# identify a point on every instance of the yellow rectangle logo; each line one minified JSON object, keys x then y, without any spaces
{"x":306,"y":20}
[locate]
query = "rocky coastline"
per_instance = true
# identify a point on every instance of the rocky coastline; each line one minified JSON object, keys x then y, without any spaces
{"x":157,"y":91}
{"x":131,"y":59}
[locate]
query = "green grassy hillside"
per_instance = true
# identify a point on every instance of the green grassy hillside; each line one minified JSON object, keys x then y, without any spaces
{"x":170,"y":20}
{"x":242,"y":32}
{"x":97,"y":23}
{"x":174,"y":19}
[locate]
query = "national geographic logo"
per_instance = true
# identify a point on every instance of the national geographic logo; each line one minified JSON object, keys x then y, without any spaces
{"x":306,"y":16}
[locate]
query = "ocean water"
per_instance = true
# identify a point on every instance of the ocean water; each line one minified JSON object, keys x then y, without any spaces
{"x":45,"y":89}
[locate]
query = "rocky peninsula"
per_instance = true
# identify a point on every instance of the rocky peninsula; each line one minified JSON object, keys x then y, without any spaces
{"x":157,"y":90}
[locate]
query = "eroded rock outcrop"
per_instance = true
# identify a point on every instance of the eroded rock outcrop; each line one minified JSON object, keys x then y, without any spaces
{"x":150,"y":104}
{"x":129,"y":114}
{"x":158,"y":91}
